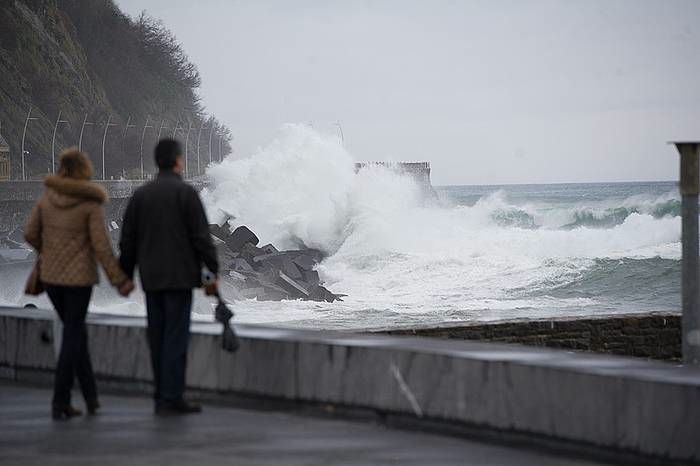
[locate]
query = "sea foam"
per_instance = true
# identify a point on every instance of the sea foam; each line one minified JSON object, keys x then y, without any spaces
{"x":395,"y":255}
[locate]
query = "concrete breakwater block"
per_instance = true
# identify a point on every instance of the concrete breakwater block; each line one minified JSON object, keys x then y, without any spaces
{"x":266,"y":273}
{"x":601,"y":401}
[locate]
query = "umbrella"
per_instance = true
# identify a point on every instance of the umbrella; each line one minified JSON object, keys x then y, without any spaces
{"x":229,"y":339}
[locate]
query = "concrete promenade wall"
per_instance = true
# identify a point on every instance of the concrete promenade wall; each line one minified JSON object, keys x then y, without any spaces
{"x":655,"y":335}
{"x":618,"y":403}
{"x":116,"y":189}
{"x":18,"y":197}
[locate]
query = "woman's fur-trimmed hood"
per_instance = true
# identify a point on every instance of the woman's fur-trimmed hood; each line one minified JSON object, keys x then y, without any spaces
{"x":67,"y":192}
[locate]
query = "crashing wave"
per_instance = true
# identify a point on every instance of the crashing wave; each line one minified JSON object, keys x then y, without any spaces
{"x":617,"y":215}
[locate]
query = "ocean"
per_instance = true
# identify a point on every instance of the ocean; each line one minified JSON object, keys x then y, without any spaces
{"x":477,"y":253}
{"x":474,"y":253}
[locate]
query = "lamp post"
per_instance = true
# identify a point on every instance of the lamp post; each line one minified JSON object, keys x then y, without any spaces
{"x":199,"y":137}
{"x":24,"y":134}
{"x":143,"y":136}
{"x":211,"y":132}
{"x":53,"y":142}
{"x":221,"y":156}
{"x":187,"y":138}
{"x":104,"y":139}
{"x":340,"y":130}
{"x":689,"y":187}
{"x":162,"y":127}
{"x":126,"y":130}
{"x":82,"y":128}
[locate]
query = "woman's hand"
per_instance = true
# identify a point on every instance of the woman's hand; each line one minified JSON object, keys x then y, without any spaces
{"x":126,"y":288}
{"x":212,"y":288}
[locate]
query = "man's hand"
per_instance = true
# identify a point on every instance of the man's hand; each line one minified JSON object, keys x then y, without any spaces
{"x":126,"y":288}
{"x":212,"y":288}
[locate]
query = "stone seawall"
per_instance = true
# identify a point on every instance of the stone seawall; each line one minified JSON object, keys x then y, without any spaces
{"x":18,"y":197}
{"x":654,"y":335}
{"x":419,"y":171}
{"x":627,"y":406}
{"x":29,"y":191}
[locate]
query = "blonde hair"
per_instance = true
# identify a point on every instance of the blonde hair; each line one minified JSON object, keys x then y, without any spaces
{"x":74,"y":164}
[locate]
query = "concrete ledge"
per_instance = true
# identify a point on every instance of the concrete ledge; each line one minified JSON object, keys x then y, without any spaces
{"x":618,"y":403}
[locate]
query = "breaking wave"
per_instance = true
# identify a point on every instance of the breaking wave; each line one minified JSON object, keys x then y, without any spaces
{"x":617,"y":215}
{"x":569,"y":216}
{"x":398,"y":258}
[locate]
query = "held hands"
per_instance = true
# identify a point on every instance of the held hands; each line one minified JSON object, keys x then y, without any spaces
{"x":126,"y":288}
{"x":211,"y":288}
{"x":210,"y":283}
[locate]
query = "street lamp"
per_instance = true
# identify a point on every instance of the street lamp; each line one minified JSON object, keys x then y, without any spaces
{"x":162,"y":127}
{"x":221,"y":138}
{"x":126,"y":130}
{"x":53,"y":142}
{"x":199,"y":137}
{"x":211,"y":132}
{"x":24,"y":134}
{"x":143,"y":135}
{"x":340,"y":130}
{"x":104,"y":139}
{"x":82,"y":128}
{"x":187,"y":138}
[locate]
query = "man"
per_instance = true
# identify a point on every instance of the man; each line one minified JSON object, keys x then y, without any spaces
{"x":166,"y":234}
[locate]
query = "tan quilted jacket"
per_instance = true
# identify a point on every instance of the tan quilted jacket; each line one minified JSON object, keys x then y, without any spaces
{"x":67,"y":228}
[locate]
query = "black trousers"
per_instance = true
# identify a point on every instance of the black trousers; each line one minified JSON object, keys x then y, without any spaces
{"x":168,"y":337}
{"x":71,"y":304}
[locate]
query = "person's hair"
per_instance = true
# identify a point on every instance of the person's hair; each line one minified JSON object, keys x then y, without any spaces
{"x":166,"y":153}
{"x":72,"y":163}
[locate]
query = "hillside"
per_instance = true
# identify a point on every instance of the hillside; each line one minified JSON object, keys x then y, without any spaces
{"x":85,"y":57}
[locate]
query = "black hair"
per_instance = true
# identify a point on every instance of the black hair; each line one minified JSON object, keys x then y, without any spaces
{"x":167,"y":151}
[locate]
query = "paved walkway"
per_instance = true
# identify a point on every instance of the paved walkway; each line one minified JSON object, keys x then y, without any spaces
{"x":127,"y":433}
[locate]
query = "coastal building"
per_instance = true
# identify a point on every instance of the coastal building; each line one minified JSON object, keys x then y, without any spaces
{"x":4,"y":159}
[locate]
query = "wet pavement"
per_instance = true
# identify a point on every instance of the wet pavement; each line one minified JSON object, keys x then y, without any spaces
{"x":127,"y":433}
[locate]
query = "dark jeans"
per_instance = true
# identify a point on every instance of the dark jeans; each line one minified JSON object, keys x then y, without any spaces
{"x":71,"y":303}
{"x":168,"y":337}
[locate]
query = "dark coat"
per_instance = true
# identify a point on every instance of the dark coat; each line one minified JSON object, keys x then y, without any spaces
{"x":166,"y":234}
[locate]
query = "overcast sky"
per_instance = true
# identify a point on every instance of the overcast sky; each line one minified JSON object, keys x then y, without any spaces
{"x":520,"y":91}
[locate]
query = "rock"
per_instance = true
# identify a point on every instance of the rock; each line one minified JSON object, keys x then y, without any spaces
{"x":292,"y":286}
{"x":236,"y":276}
{"x":321,"y":293}
{"x":241,"y":265}
{"x":269,"y":249}
{"x":219,"y":232}
{"x":266,"y":273}
{"x":311,"y":277}
{"x":305,"y":261}
{"x":250,"y":252}
{"x":240,"y":237}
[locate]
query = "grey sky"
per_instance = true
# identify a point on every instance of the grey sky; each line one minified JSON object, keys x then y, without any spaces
{"x":520,"y":91}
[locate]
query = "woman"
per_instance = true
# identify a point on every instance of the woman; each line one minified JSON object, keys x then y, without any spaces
{"x":67,"y":228}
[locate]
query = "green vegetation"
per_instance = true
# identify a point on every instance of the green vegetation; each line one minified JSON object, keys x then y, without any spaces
{"x":87,"y":57}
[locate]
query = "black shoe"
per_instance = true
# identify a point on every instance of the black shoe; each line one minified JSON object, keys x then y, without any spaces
{"x":177,"y":408}
{"x":92,"y":407}
{"x":62,"y":413}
